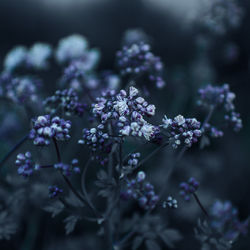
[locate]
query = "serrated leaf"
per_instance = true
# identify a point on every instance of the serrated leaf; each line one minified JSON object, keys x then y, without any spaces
{"x":70,"y":223}
{"x":138,"y":240}
{"x":152,"y":245}
{"x":54,"y":208}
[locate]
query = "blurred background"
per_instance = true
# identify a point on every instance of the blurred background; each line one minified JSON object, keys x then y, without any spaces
{"x":193,"y":56}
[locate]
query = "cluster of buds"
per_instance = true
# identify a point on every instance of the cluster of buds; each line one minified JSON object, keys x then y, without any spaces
{"x":137,"y":60}
{"x":134,"y":36}
{"x":188,"y":188}
{"x":128,"y":110}
{"x":46,"y":128}
{"x":142,"y":191}
{"x":221,"y":97}
{"x":25,"y":164}
{"x":182,"y":130}
{"x":132,"y":163}
{"x":213,"y":131}
{"x":224,"y":219}
{"x":19,"y":89}
{"x":98,"y":141}
{"x":54,"y":191}
{"x":65,"y":100}
{"x":34,"y":58}
{"x":216,"y":96}
{"x":68,"y":169}
{"x":170,"y":202}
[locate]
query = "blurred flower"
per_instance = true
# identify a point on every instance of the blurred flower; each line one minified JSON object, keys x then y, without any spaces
{"x":54,"y":191}
{"x":188,"y":188}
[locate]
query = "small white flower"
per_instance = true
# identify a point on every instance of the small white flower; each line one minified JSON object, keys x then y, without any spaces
{"x":121,"y":106}
{"x":139,"y":100}
{"x":125,"y":131}
{"x":151,"y":109}
{"x":166,"y":122}
{"x":133,"y":91}
{"x":179,"y":119}
{"x":147,"y":131}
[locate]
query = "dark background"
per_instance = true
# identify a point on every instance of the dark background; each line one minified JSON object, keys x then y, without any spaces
{"x":104,"y":22}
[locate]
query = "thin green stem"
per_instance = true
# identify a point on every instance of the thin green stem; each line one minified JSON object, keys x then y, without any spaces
{"x":200,"y":205}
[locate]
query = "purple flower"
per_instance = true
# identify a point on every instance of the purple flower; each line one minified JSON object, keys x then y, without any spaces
{"x":188,"y":188}
{"x":25,"y":164}
{"x":137,"y":60}
{"x":68,"y":169}
{"x":182,"y":130}
{"x":64,"y":100}
{"x":46,"y":128}
{"x":142,"y":191}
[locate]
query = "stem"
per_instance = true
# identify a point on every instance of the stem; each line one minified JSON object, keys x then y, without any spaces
{"x":200,"y":205}
{"x":68,"y":181}
{"x":151,"y":154}
{"x":84,"y":190}
{"x":208,"y":117}
{"x":7,"y":156}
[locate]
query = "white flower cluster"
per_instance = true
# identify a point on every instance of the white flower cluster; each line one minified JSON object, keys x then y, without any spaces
{"x":128,"y":110}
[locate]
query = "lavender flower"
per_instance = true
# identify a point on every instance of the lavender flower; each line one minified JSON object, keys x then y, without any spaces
{"x":137,"y":60}
{"x":46,"y":128}
{"x":188,"y":188}
{"x":182,"y":130}
{"x":25,"y":164}
{"x":54,"y":191}
{"x":224,"y":219}
{"x":65,"y":100}
{"x":142,"y":191}
{"x":233,"y":119}
{"x":68,"y":169}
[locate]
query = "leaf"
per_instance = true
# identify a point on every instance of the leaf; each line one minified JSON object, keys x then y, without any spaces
{"x":54,"y":208}
{"x":7,"y":226}
{"x":170,"y":236}
{"x":138,"y":240}
{"x":152,"y":245}
{"x":70,"y":223}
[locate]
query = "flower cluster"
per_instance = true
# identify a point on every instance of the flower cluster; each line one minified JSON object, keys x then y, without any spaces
{"x":25,"y":164}
{"x":98,"y":141}
{"x":188,"y":188}
{"x":19,"y":89}
{"x":128,"y":110}
{"x":220,"y":96}
{"x":141,"y":191}
{"x":54,"y":191}
{"x":224,"y":219}
{"x":35,"y":58}
{"x":221,"y":15}
{"x":170,"y":202}
{"x":65,"y":100}
{"x":75,"y":47}
{"x":46,"y":128}
{"x":213,"y":131}
{"x":213,"y":96}
{"x":68,"y":169}
{"x":137,"y":60}
{"x":182,"y":130}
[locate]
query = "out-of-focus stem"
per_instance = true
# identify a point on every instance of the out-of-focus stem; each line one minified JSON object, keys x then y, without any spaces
{"x":200,"y":205}
{"x":8,"y":155}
